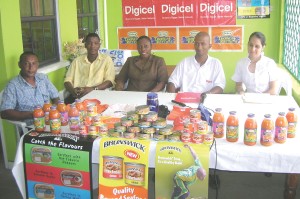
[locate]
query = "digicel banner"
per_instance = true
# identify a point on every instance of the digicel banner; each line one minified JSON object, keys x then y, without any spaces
{"x":179,"y":12}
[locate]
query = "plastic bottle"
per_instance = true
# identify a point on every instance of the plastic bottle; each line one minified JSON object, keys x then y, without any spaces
{"x":292,"y":123}
{"x":74,"y":118}
{"x":281,"y":126}
{"x":46,"y":109}
{"x":39,"y":119}
{"x":80,"y":108}
{"x":232,"y":127}
{"x":267,"y":131}
{"x":54,"y":118}
{"x":218,"y":123}
{"x":62,"y":108}
{"x":250,"y":130}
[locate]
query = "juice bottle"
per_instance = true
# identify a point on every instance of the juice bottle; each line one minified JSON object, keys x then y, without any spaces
{"x":292,"y":123}
{"x":80,"y":108}
{"x":267,"y":131}
{"x":62,"y":108}
{"x":74,"y":118}
{"x":54,"y":118}
{"x":281,"y":125}
{"x":218,"y":123}
{"x":250,"y":130}
{"x":39,"y":119}
{"x":232,"y":127}
{"x":46,"y":109}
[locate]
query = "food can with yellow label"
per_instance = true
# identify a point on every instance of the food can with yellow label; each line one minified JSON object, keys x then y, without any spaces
{"x":134,"y":174}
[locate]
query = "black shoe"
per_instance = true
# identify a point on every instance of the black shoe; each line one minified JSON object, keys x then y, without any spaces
{"x":214,"y":181}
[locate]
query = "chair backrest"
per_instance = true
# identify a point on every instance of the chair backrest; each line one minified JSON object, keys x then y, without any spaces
{"x":20,"y":128}
{"x":284,"y":82}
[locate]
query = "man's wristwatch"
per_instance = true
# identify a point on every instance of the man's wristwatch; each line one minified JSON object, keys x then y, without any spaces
{"x":96,"y":88}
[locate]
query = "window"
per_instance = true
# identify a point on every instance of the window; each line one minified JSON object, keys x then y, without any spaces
{"x":39,"y":35}
{"x":87,"y":17}
{"x":291,"y":52}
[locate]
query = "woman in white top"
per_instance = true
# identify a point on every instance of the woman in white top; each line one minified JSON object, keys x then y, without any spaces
{"x":257,"y":72}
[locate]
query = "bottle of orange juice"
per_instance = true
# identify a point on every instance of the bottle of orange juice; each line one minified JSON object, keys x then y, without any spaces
{"x":54,"y":118}
{"x":46,"y":109}
{"x":232,"y":127}
{"x":80,"y":108}
{"x":39,"y":119}
{"x":281,"y":125}
{"x":74,"y":118}
{"x":267,"y":131}
{"x":62,"y":108}
{"x":292,"y":123}
{"x":250,"y":130}
{"x":218,"y":123}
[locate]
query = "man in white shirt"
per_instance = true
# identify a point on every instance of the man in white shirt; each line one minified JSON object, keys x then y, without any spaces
{"x":200,"y":73}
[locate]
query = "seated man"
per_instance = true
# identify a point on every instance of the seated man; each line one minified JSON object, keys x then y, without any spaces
{"x":200,"y":73}
{"x":93,"y":71}
{"x":27,"y":90}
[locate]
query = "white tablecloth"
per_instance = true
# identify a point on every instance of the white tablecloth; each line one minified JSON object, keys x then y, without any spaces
{"x":281,"y":158}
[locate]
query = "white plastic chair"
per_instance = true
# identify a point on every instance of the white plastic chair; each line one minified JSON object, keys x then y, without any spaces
{"x":284,"y":82}
{"x":20,"y":128}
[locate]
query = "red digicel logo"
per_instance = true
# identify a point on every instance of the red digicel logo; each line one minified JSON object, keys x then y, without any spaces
{"x":132,"y":154}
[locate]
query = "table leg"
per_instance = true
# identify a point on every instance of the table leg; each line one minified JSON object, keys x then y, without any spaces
{"x":291,"y":186}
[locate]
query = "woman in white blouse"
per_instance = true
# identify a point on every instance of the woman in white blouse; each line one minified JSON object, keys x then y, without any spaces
{"x":257,"y":73}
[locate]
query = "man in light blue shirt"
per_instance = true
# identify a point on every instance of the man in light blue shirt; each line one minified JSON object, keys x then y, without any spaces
{"x":26,"y":91}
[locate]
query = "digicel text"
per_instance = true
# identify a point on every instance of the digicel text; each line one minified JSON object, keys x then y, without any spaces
{"x":212,"y":9}
{"x":176,"y":9}
{"x":136,"y":11}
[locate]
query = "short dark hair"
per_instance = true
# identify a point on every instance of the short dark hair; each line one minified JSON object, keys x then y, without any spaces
{"x":143,"y":37}
{"x":92,"y":35}
{"x":260,"y":36}
{"x":25,"y":54}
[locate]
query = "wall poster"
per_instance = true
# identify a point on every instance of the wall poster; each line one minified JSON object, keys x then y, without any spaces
{"x":178,"y":12}
{"x":223,"y":38}
{"x":250,"y":9}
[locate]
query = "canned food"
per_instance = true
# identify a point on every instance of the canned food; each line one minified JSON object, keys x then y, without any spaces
{"x":126,"y":122}
{"x":92,"y":130}
{"x":142,"y":110}
{"x":158,"y":137}
{"x":83,"y":130}
{"x":112,"y":167}
{"x":119,"y":128}
{"x":115,"y":134}
{"x":160,"y":123}
{"x":71,"y":178}
{"x":185,"y":136}
{"x":150,"y":117}
{"x":103,"y":128}
{"x":202,"y":127}
{"x":197,"y":138}
{"x":97,"y":120}
{"x":166,"y":131}
{"x":208,"y":138}
{"x":129,"y":135}
{"x":175,"y":136}
{"x":133,"y":116}
{"x":134,"y":129}
{"x":144,"y":136}
{"x":134,"y":174}
{"x":144,"y":124}
{"x":149,"y":130}
{"x":91,"y":110}
{"x":195,"y":115}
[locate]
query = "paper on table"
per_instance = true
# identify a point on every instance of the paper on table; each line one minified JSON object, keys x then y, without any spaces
{"x":118,"y":110}
{"x":257,"y":98}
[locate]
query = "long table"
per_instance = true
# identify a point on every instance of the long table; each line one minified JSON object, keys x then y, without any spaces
{"x":278,"y":158}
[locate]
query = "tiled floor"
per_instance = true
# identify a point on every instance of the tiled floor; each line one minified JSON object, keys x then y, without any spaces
{"x":234,"y":185}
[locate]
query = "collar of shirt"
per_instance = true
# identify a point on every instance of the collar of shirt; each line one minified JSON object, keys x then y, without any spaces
{"x":99,"y":57}
{"x":206,"y":62}
{"x":22,"y":80}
